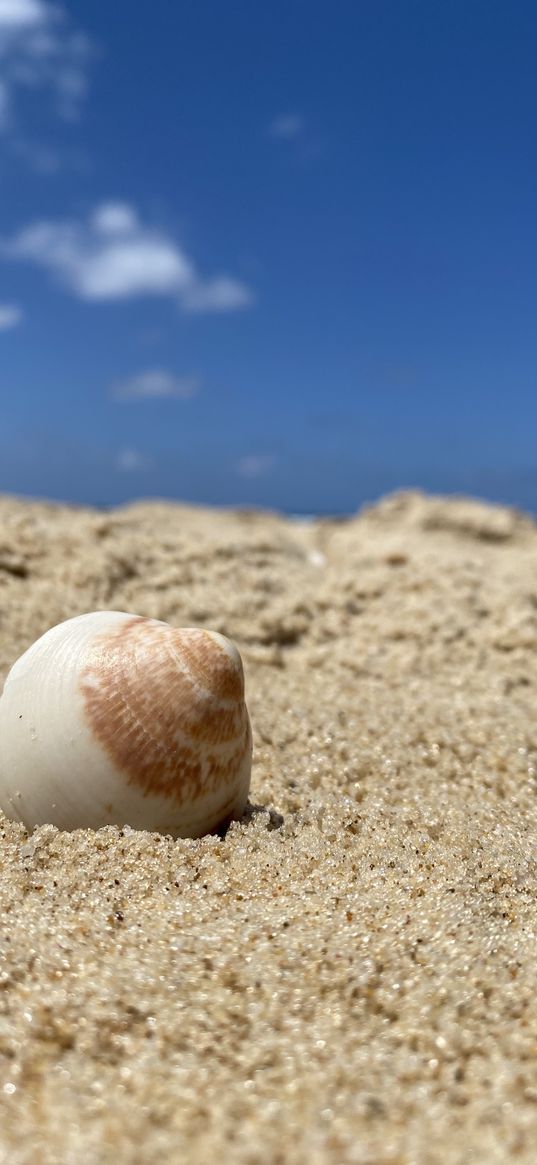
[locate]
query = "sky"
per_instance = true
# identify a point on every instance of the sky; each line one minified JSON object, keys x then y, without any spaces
{"x":272,"y":254}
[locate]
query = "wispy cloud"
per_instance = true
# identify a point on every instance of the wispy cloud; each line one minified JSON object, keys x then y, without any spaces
{"x":115,"y":256}
{"x":10,"y":316}
{"x":48,"y":160}
{"x":40,"y":50}
{"x":156,"y":384}
{"x":255,"y":464}
{"x":132,"y":461}
{"x":218,"y":294}
{"x":4,"y":106}
{"x":287,"y":126}
{"x":115,"y":218}
{"x":40,"y":158}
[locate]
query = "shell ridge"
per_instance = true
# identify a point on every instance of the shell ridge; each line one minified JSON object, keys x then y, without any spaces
{"x":176,"y":775}
{"x":118,"y":695}
{"x":185,"y":667}
{"x":184,"y":759}
{"x":212,"y":700}
{"x":197,"y":676}
{"x":182,"y":665}
{"x":137,"y":775}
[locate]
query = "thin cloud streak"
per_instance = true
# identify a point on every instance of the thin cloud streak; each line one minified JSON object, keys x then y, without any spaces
{"x":10,"y":316}
{"x":132,"y":461}
{"x":255,"y":465}
{"x":114,"y":256}
{"x":218,"y":295}
{"x":156,"y":384}
{"x":45,"y":159}
{"x":287,"y":126}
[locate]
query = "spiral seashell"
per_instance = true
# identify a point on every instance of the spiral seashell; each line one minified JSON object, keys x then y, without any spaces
{"x":112,"y":718}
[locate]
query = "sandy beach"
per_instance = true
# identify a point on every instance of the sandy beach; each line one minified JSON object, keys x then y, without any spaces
{"x":347,"y":976}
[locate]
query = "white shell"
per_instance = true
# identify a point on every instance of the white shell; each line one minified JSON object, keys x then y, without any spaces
{"x":111,"y":718}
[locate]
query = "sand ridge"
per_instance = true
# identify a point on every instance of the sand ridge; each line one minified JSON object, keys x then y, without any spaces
{"x":348,"y":974}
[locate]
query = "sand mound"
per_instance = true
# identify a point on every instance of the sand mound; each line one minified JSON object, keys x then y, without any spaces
{"x":347,"y":975}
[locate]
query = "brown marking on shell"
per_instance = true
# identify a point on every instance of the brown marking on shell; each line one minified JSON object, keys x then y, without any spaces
{"x":155,"y":721}
{"x":217,"y":768}
{"x":211,"y":665}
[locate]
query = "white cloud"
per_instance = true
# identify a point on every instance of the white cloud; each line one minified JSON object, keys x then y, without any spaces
{"x":114,"y":256}
{"x":132,"y":461}
{"x":287,"y":126}
{"x":154,"y":384}
{"x":39,"y":50}
{"x":255,"y":465}
{"x":16,"y":14}
{"x":10,"y":316}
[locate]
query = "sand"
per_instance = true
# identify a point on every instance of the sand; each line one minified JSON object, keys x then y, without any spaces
{"x":348,"y":975}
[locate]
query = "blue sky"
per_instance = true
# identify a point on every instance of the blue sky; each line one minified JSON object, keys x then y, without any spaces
{"x":280,"y":254}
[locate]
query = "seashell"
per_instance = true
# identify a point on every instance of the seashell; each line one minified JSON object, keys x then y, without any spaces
{"x":112,"y":718}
